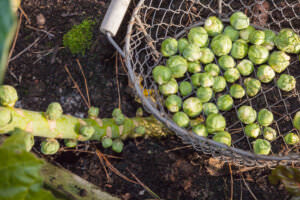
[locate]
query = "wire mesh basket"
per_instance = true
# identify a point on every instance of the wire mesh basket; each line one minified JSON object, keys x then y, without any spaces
{"x":153,"y":21}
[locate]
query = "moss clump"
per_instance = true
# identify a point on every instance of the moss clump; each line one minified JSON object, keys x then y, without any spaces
{"x":79,"y":38}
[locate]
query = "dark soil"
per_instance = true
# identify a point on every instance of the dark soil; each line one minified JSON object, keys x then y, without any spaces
{"x":40,"y":77}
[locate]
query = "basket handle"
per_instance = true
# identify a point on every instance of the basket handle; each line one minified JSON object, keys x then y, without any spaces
{"x":114,"y":16}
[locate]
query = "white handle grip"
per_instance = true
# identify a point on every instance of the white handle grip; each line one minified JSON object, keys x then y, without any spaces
{"x":114,"y":16}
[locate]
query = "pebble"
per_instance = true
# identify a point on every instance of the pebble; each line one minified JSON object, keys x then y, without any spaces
{"x":40,"y":19}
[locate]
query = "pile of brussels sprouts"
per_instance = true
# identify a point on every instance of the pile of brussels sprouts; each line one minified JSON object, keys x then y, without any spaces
{"x":240,"y":51}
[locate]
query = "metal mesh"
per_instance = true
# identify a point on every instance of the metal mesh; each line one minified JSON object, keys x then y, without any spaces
{"x":154,"y":20}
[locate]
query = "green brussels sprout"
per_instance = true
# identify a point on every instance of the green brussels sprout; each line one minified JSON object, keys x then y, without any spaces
{"x":198,"y":36}
{"x":257,"y":37}
{"x":231,"y":33}
{"x":120,"y":119}
{"x":181,"y":119}
{"x":29,"y":142}
{"x":221,"y":45}
{"x":279,"y":61}
{"x":265,"y":74}
{"x":212,"y":69}
{"x":161,"y":74}
{"x":288,"y":41}
{"x":49,"y":146}
{"x":226,"y":62}
{"x":192,"y":53}
{"x":219,"y":84}
{"x":71,"y":143}
{"x":245,"y":67}
{"x":205,"y":94}
{"x":239,"y":49}
{"x":194,"y":67}
{"x":253,"y":86}
{"x":225,"y":102}
{"x":261,"y":147}
{"x":182,"y":44}
{"x":265,"y":117}
{"x":286,"y":82}
{"x":239,"y":20}
{"x":291,"y":139}
{"x":192,"y":106}
{"x":269,"y":39}
{"x":258,"y":54}
{"x":247,"y":114}
{"x":117,"y":112}
{"x":185,"y":88}
{"x":171,"y":87}
{"x":5,"y":117}
{"x":117,"y":146}
{"x":252,"y":130}
{"x":54,"y":111}
{"x":232,"y":75}
{"x":215,"y":123}
{"x":210,"y":108}
{"x":178,"y":66}
{"x":173,"y":103}
{"x":222,"y":137}
{"x":206,"y":55}
{"x":87,"y":132}
{"x":93,"y":112}
{"x":269,"y":133}
{"x":237,"y":91}
{"x":296,"y":121}
{"x":139,"y":112}
{"x":202,"y":79}
{"x":245,"y":33}
{"x":106,"y":142}
{"x":8,"y":95}
{"x":200,"y":130}
{"x":140,"y":130}
{"x":169,"y":47}
{"x":213,"y":25}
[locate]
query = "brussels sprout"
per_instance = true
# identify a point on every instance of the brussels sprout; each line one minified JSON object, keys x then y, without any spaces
{"x":261,"y":146}
{"x":200,"y":130}
{"x":212,"y":69}
{"x":173,"y":103}
{"x":54,"y":111}
{"x":178,"y":66}
{"x":237,"y":91}
{"x":202,"y":79}
{"x":192,"y":106}
{"x":225,"y":102}
{"x":140,"y":130}
{"x":169,"y":47}
{"x":258,"y":54}
{"x":196,"y":121}
{"x":198,"y":36}
{"x":161,"y":74}
{"x":232,"y":75}
{"x":139,"y":112}
{"x":279,"y":61}
{"x":185,"y":88}
{"x":252,"y":130}
{"x":117,"y":146}
{"x":71,"y":143}
{"x":206,"y":55}
{"x":49,"y":146}
{"x":291,"y":139}
{"x":296,"y":121}
{"x":265,"y":117}
{"x":247,"y":114}
{"x":265,"y":74}
{"x":269,"y":39}
{"x":245,"y":67}
{"x":28,"y":138}
{"x":221,"y":45}
{"x":182,"y":44}
{"x":106,"y":142}
{"x":8,"y":95}
{"x":226,"y":62}
{"x":5,"y":117}
{"x":231,"y":33}
{"x":257,"y":37}
{"x":117,"y":112}
{"x":120,"y":119}
{"x":93,"y":112}
{"x":171,"y":87}
{"x":288,"y":41}
{"x":87,"y":132}
{"x":222,"y":137}
{"x":213,"y":25}
{"x":205,"y":94}
{"x":270,"y":133}
{"x":286,"y":82}
{"x":192,"y":53}
{"x":239,"y":20}
{"x":239,"y":49}
{"x":215,"y":123}
{"x":253,"y":86}
{"x":181,"y":119}
{"x":245,"y":33}
{"x":194,"y":67}
{"x":210,"y":108}
{"x":219,"y":84}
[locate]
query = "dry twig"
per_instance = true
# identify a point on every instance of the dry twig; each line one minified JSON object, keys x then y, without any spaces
{"x":117,"y":77}
{"x":85,"y":83}
{"x":231,"y":182}
{"x":247,"y":186}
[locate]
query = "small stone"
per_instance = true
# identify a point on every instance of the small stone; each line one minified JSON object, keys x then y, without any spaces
{"x":40,"y":19}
